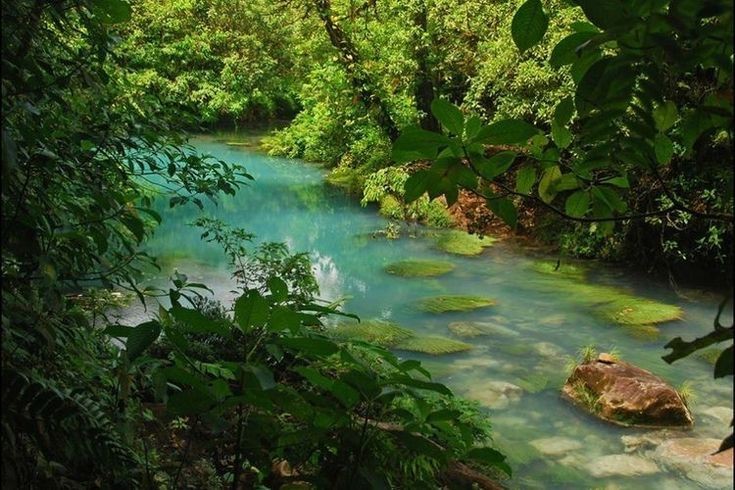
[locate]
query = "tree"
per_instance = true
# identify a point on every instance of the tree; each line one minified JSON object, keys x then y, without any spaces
{"x":652,"y":107}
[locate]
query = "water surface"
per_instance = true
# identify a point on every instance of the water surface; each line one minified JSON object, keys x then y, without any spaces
{"x":290,"y":202}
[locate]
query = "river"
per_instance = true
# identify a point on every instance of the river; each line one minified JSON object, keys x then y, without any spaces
{"x":550,"y":443}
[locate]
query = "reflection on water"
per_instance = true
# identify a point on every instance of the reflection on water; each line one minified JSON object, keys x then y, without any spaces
{"x":515,"y":372}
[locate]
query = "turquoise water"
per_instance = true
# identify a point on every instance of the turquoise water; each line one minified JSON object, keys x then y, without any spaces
{"x":290,"y":202}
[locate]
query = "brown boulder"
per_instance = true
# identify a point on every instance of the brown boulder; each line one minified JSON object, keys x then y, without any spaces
{"x":625,"y":394}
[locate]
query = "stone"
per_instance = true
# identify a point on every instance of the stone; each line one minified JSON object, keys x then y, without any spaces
{"x":621,"y":465}
{"x":693,"y":457}
{"x":721,"y":414}
{"x":548,"y":350}
{"x":627,"y":395}
{"x":495,"y":394}
{"x":555,"y":446}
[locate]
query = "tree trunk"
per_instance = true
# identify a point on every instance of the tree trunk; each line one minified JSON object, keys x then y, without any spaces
{"x":424,"y":86}
{"x":360,"y":80}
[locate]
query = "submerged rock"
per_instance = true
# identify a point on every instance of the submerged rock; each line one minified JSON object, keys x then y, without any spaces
{"x":419,"y":268}
{"x":693,"y":457}
{"x":495,"y":394}
{"x":621,"y":465}
{"x":442,"y":304}
{"x":625,"y":394}
{"x":556,"y":446}
{"x":477,"y":329}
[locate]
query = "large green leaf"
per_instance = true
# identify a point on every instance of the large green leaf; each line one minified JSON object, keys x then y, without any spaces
{"x":194,"y":321}
{"x":251,"y":310}
{"x":112,"y":11}
{"x":603,"y":14}
{"x":565,"y":51}
{"x":665,"y":115}
{"x":529,"y":24}
{"x":489,"y":456}
{"x":525,"y":179}
{"x":505,"y":209}
{"x":417,"y":184}
{"x":495,"y":165}
{"x":141,"y":337}
{"x":415,"y":143}
{"x":577,"y":204}
{"x":724,"y":363}
{"x":562,"y":136}
{"x":545,"y":188}
{"x":311,"y":346}
{"x":449,"y":115}
{"x":564,"y":111}
{"x":664,"y":148}
{"x":506,"y":132}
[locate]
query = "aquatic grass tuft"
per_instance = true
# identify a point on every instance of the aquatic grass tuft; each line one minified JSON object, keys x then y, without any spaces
{"x":470,"y":329}
{"x":638,"y":311}
{"x":382,"y":333}
{"x":443,"y":304}
{"x":687,"y":394}
{"x":709,"y":355}
{"x":588,"y":398}
{"x":433,"y":345}
{"x":462,"y":243}
{"x":419,"y":268}
{"x":559,"y":269}
{"x":534,"y":383}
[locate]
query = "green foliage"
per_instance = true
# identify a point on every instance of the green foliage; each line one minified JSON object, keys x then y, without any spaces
{"x":220,"y":62}
{"x":687,"y":393}
{"x":462,"y":243}
{"x":443,"y":304}
{"x":563,"y":269}
{"x":419,"y":268}
{"x":386,"y":187}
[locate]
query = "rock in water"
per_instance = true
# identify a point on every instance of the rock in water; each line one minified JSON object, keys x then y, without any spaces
{"x":625,"y":394}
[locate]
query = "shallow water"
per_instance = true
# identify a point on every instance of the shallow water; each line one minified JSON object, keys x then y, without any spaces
{"x":289,"y":202}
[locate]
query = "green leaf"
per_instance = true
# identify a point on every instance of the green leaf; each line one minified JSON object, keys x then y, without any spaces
{"x":190,"y":402}
{"x":417,"y":184}
{"x":490,"y":457}
{"x":724,"y":363}
{"x":603,"y":14}
{"x":141,"y":337}
{"x":529,"y":25}
{"x":251,"y":310}
{"x":565,"y":51}
{"x":566,"y":182}
{"x":278,"y":288}
{"x":310,"y":346}
{"x":505,"y":209}
{"x":449,"y":115}
{"x":609,"y":197}
{"x":263,"y":375}
{"x":112,"y":11}
{"x":545,"y":188}
{"x":506,"y":132}
{"x":423,"y":385}
{"x":562,"y":136}
{"x":577,"y":204}
{"x":194,"y":321}
{"x":472,"y":126}
{"x":525,"y":179}
{"x":665,"y":115}
{"x":621,"y":182}
{"x":443,"y":414}
{"x":664,"y":148}
{"x":119,"y":331}
{"x":589,"y":88}
{"x":564,"y":111}
{"x":420,"y":445}
{"x":415,"y":143}
{"x":496,"y":164}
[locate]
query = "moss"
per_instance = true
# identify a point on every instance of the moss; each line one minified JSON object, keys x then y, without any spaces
{"x":643,"y":332}
{"x":385,"y":334}
{"x":462,"y":243}
{"x":565,"y":270}
{"x":419,"y":268}
{"x":535,"y":382}
{"x":469,"y":329}
{"x":709,"y":355}
{"x":390,"y":207}
{"x":442,"y":304}
{"x":638,"y":311}
{"x":433,"y":345}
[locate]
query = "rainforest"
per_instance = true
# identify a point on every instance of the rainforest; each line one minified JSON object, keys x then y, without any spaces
{"x":367,"y":244}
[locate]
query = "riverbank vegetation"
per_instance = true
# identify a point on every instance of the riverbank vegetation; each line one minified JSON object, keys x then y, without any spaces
{"x":607,"y":131}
